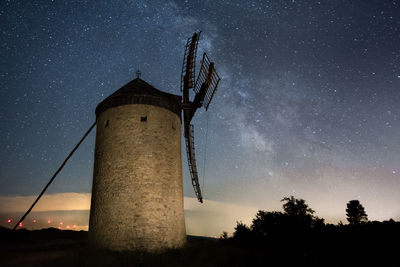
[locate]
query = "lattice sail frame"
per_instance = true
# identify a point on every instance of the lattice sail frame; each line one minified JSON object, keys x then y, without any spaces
{"x":190,"y":153}
{"x":185,"y":66}
{"x":204,"y":86}
{"x":208,"y":75}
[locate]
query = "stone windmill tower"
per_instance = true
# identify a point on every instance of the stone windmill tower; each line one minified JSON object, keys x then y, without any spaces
{"x":137,"y":194}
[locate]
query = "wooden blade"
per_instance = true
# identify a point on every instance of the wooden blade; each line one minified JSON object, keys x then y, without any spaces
{"x":189,"y":138}
{"x":206,"y":83}
{"x":189,"y":62}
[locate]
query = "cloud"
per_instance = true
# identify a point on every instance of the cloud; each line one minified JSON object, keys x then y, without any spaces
{"x":49,"y":202}
{"x":208,"y":219}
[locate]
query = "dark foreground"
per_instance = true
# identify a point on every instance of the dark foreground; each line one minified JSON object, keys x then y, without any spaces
{"x":52,"y":247}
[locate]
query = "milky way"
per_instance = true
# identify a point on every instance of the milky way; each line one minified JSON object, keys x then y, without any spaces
{"x":308,"y":104}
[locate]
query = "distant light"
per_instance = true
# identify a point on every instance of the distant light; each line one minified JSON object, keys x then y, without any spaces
{"x":48,"y":221}
{"x":59,"y":227}
{"x":20,"y":224}
{"x":67,"y":226}
{"x":9,"y":220}
{"x":34,"y":221}
{"x":61,"y":223}
{"x":74,"y":225}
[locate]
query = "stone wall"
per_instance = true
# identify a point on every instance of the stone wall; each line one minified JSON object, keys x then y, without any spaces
{"x":137,"y":194}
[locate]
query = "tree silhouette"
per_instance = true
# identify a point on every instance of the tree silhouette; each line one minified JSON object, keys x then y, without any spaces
{"x":267,"y":223}
{"x":295,"y":222}
{"x":300,"y":213}
{"x":224,"y":235}
{"x":242,"y":232}
{"x":297,"y":217}
{"x":355,"y":213}
{"x":296,"y":207}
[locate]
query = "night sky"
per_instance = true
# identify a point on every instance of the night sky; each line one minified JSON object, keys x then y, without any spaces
{"x":308,"y":104}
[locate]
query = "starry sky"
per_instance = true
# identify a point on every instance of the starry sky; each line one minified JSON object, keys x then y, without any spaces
{"x":308,"y":104}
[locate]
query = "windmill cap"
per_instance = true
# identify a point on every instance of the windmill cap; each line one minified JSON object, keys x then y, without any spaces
{"x":140,"y":92}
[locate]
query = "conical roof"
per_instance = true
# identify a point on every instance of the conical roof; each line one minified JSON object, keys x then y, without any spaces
{"x":140,"y":92}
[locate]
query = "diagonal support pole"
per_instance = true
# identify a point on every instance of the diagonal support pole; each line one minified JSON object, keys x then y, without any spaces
{"x":55,"y":174}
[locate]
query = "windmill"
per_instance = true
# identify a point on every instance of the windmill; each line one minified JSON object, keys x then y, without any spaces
{"x":204,"y":86}
{"x":137,"y":193}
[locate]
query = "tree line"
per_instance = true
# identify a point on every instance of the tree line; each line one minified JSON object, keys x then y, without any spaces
{"x":297,"y":236}
{"x":299,"y":221}
{"x":297,"y":216}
